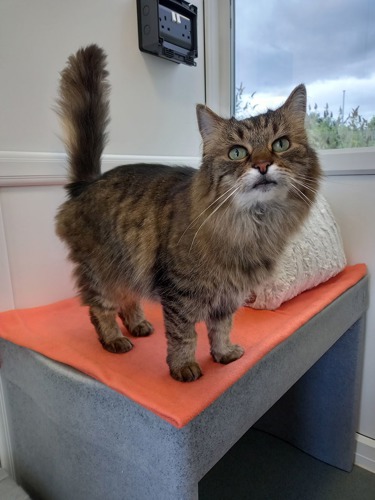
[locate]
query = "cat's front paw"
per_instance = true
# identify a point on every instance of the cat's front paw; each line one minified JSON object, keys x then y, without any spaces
{"x":187,"y":373}
{"x":234,"y":352}
{"x":118,"y":345}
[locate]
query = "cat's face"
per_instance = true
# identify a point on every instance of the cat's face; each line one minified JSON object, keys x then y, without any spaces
{"x":260,"y":159}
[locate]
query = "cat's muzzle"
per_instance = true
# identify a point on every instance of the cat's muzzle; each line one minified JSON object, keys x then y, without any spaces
{"x":264,"y":184}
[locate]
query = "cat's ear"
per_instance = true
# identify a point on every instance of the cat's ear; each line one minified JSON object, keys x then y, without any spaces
{"x":208,"y":121}
{"x":296,"y":103}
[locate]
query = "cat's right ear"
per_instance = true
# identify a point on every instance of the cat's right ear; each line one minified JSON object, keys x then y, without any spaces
{"x":208,"y":121}
{"x":296,"y":103}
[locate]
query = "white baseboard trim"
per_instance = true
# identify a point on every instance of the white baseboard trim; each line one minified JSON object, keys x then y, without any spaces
{"x":365,"y":453}
{"x":18,"y":168}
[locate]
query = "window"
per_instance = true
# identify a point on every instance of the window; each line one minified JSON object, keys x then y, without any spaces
{"x":328,"y":45}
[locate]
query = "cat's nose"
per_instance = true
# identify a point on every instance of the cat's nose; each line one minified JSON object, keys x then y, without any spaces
{"x":262,"y":166}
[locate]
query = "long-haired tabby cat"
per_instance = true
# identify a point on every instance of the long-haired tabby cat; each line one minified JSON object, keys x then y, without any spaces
{"x":195,"y":240}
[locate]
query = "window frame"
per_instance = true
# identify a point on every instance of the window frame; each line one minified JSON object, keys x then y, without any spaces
{"x":219,"y":83}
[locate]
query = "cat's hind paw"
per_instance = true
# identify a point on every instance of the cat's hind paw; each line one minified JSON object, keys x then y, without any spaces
{"x":143,"y":329}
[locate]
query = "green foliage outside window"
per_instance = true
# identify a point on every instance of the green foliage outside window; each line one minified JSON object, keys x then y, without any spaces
{"x":325,"y":130}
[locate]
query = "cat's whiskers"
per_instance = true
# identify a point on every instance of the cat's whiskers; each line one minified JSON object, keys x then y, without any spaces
{"x":205,"y":210}
{"x":211,"y":214}
{"x":223,"y":216}
{"x":304,"y":183}
{"x":301,"y":195}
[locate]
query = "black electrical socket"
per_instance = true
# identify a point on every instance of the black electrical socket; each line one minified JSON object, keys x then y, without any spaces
{"x":168,"y":29}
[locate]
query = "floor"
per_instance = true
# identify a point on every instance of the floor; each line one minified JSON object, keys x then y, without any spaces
{"x":9,"y":489}
{"x":261,"y":467}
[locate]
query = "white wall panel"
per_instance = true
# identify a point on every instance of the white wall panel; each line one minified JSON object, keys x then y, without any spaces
{"x":37,"y":264}
{"x":33,"y":265}
{"x":353,"y":203}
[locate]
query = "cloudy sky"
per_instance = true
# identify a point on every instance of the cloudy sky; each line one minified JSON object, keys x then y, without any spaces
{"x":327,"y":44}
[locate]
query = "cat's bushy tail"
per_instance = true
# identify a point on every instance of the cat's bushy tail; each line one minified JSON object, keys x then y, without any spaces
{"x":83,"y":107}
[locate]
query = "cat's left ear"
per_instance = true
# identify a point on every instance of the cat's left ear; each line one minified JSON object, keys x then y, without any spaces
{"x":296,"y":103}
{"x":208,"y":121}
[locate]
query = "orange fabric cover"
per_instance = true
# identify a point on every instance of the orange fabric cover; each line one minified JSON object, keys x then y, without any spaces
{"x":62,"y":331}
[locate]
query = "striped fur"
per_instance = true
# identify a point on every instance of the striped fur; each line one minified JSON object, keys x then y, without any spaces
{"x":195,"y":240}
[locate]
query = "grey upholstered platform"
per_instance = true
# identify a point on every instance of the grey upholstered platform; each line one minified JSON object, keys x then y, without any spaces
{"x":75,"y":439}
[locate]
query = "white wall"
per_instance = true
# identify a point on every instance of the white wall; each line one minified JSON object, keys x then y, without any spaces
{"x":153,"y":100}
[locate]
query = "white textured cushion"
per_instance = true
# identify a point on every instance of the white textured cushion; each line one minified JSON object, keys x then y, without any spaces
{"x":313,"y":256}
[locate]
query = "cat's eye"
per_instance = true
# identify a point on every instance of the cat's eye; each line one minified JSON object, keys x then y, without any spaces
{"x":281,"y":145}
{"x":238,"y":153}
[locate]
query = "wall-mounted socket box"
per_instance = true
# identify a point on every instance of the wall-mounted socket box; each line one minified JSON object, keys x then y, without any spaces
{"x":168,"y":29}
